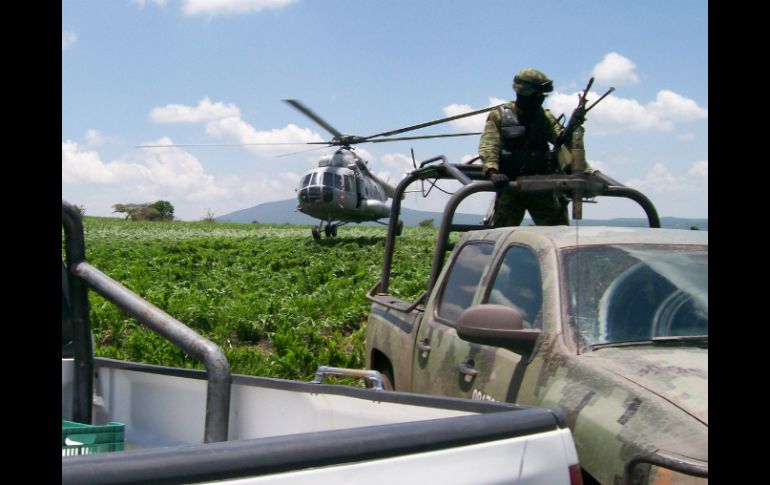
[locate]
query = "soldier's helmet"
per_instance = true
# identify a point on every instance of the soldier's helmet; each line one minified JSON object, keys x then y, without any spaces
{"x":531,"y":81}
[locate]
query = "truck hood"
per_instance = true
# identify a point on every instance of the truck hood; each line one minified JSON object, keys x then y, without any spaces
{"x":676,"y":374}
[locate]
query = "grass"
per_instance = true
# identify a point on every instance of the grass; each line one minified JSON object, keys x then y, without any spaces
{"x":278,"y":303}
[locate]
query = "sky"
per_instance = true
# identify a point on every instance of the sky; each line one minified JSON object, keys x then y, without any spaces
{"x":216,"y":72}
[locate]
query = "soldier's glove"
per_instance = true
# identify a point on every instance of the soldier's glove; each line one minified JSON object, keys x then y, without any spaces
{"x":499,"y":179}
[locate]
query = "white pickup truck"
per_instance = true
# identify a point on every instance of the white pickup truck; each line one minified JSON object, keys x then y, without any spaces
{"x":193,"y":426}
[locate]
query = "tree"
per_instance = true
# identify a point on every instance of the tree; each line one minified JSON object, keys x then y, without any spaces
{"x":209,"y":216}
{"x":160,"y":210}
{"x":164,"y":208}
{"x":426,"y":223}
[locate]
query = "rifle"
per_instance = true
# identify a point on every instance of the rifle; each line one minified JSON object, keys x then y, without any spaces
{"x":578,"y":116}
{"x":572,"y":136}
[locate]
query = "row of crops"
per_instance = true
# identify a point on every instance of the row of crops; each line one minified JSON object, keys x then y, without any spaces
{"x":277,"y":302}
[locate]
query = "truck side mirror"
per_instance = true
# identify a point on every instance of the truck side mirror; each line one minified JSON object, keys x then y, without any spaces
{"x":499,"y":326}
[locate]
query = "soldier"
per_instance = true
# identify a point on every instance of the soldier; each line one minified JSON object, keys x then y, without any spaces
{"x":515,"y":142}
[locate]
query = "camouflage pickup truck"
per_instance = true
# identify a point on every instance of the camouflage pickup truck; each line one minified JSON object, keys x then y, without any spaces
{"x":608,"y":324}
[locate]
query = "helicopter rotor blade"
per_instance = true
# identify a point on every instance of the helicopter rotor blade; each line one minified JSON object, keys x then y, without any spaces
{"x":430,"y":123}
{"x":400,"y":138}
{"x":235,"y":144}
{"x":301,"y":151}
{"x":310,"y":114}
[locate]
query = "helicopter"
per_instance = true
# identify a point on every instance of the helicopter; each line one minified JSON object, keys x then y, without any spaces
{"x":342,"y":189}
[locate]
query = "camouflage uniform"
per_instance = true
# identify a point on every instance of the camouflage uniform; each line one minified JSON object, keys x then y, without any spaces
{"x":515,"y":143}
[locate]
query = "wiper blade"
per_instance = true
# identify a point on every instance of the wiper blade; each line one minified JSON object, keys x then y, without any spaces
{"x":629,"y":343}
{"x":681,"y":338}
{"x":654,"y":341}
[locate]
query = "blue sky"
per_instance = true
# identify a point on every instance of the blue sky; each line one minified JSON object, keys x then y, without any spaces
{"x":215,"y":71}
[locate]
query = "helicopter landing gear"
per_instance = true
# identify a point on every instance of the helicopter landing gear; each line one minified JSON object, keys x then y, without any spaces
{"x":330,"y":230}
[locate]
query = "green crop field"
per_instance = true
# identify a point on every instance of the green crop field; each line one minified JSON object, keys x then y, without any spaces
{"x":279,"y":303}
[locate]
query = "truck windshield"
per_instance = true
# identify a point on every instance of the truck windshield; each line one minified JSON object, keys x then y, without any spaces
{"x":628,"y":293}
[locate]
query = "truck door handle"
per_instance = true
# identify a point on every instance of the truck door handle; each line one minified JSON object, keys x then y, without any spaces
{"x":467,"y":369}
{"x":423,"y":347}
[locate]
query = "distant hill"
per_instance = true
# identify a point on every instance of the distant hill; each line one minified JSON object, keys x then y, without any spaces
{"x":285,"y":212}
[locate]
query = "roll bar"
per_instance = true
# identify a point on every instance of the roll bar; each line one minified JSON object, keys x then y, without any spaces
{"x":471,"y":176}
{"x":83,"y":276}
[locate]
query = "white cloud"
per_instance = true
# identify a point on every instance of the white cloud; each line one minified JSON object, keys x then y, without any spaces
{"x":82,"y":165}
{"x":660,"y":180}
{"x":700,"y":169}
{"x":616,"y":70}
{"x":675,"y":108}
{"x":95,"y":138}
{"x":205,"y":111}
{"x":164,"y":173}
{"x":236,"y":131}
{"x":230,"y":7}
{"x":398,"y":163}
{"x":676,"y":195}
{"x":615,"y":114}
{"x":68,"y":39}
{"x":470,"y":123}
{"x":223,"y":123}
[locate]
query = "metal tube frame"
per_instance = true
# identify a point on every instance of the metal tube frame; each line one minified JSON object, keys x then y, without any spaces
{"x":660,"y":458}
{"x":200,"y":348}
{"x":473,"y":179}
{"x":82,"y":341}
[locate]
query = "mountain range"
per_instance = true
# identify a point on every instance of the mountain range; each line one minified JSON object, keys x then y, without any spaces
{"x":285,"y":212}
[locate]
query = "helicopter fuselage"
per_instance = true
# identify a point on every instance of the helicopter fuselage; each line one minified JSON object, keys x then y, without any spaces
{"x":334,"y":193}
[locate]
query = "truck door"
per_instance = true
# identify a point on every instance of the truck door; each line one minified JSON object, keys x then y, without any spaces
{"x":479,"y":371}
{"x":443,"y":363}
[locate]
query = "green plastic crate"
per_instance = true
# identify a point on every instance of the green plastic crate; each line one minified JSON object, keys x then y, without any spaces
{"x":87,"y":439}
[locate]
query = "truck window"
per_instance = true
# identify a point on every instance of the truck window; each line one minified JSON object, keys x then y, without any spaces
{"x":626,"y":293}
{"x":518,"y":284}
{"x":463,"y":280}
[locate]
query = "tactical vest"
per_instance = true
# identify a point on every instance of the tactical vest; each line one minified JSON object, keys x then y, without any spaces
{"x":523,"y":145}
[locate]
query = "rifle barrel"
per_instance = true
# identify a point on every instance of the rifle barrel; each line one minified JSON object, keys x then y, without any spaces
{"x":597,"y":101}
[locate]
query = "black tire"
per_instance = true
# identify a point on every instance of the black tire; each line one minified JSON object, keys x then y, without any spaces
{"x":328,"y":231}
{"x":387,"y":380}
{"x":334,"y":231}
{"x":316,"y":233}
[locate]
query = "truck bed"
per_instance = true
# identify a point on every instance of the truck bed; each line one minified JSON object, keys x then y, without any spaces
{"x":284,"y":430}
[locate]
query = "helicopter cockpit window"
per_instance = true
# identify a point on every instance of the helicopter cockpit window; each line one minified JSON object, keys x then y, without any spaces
{"x":338,"y":184}
{"x":328,"y":179}
{"x":306,"y":181}
{"x":348,"y":184}
{"x":314,"y":179}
